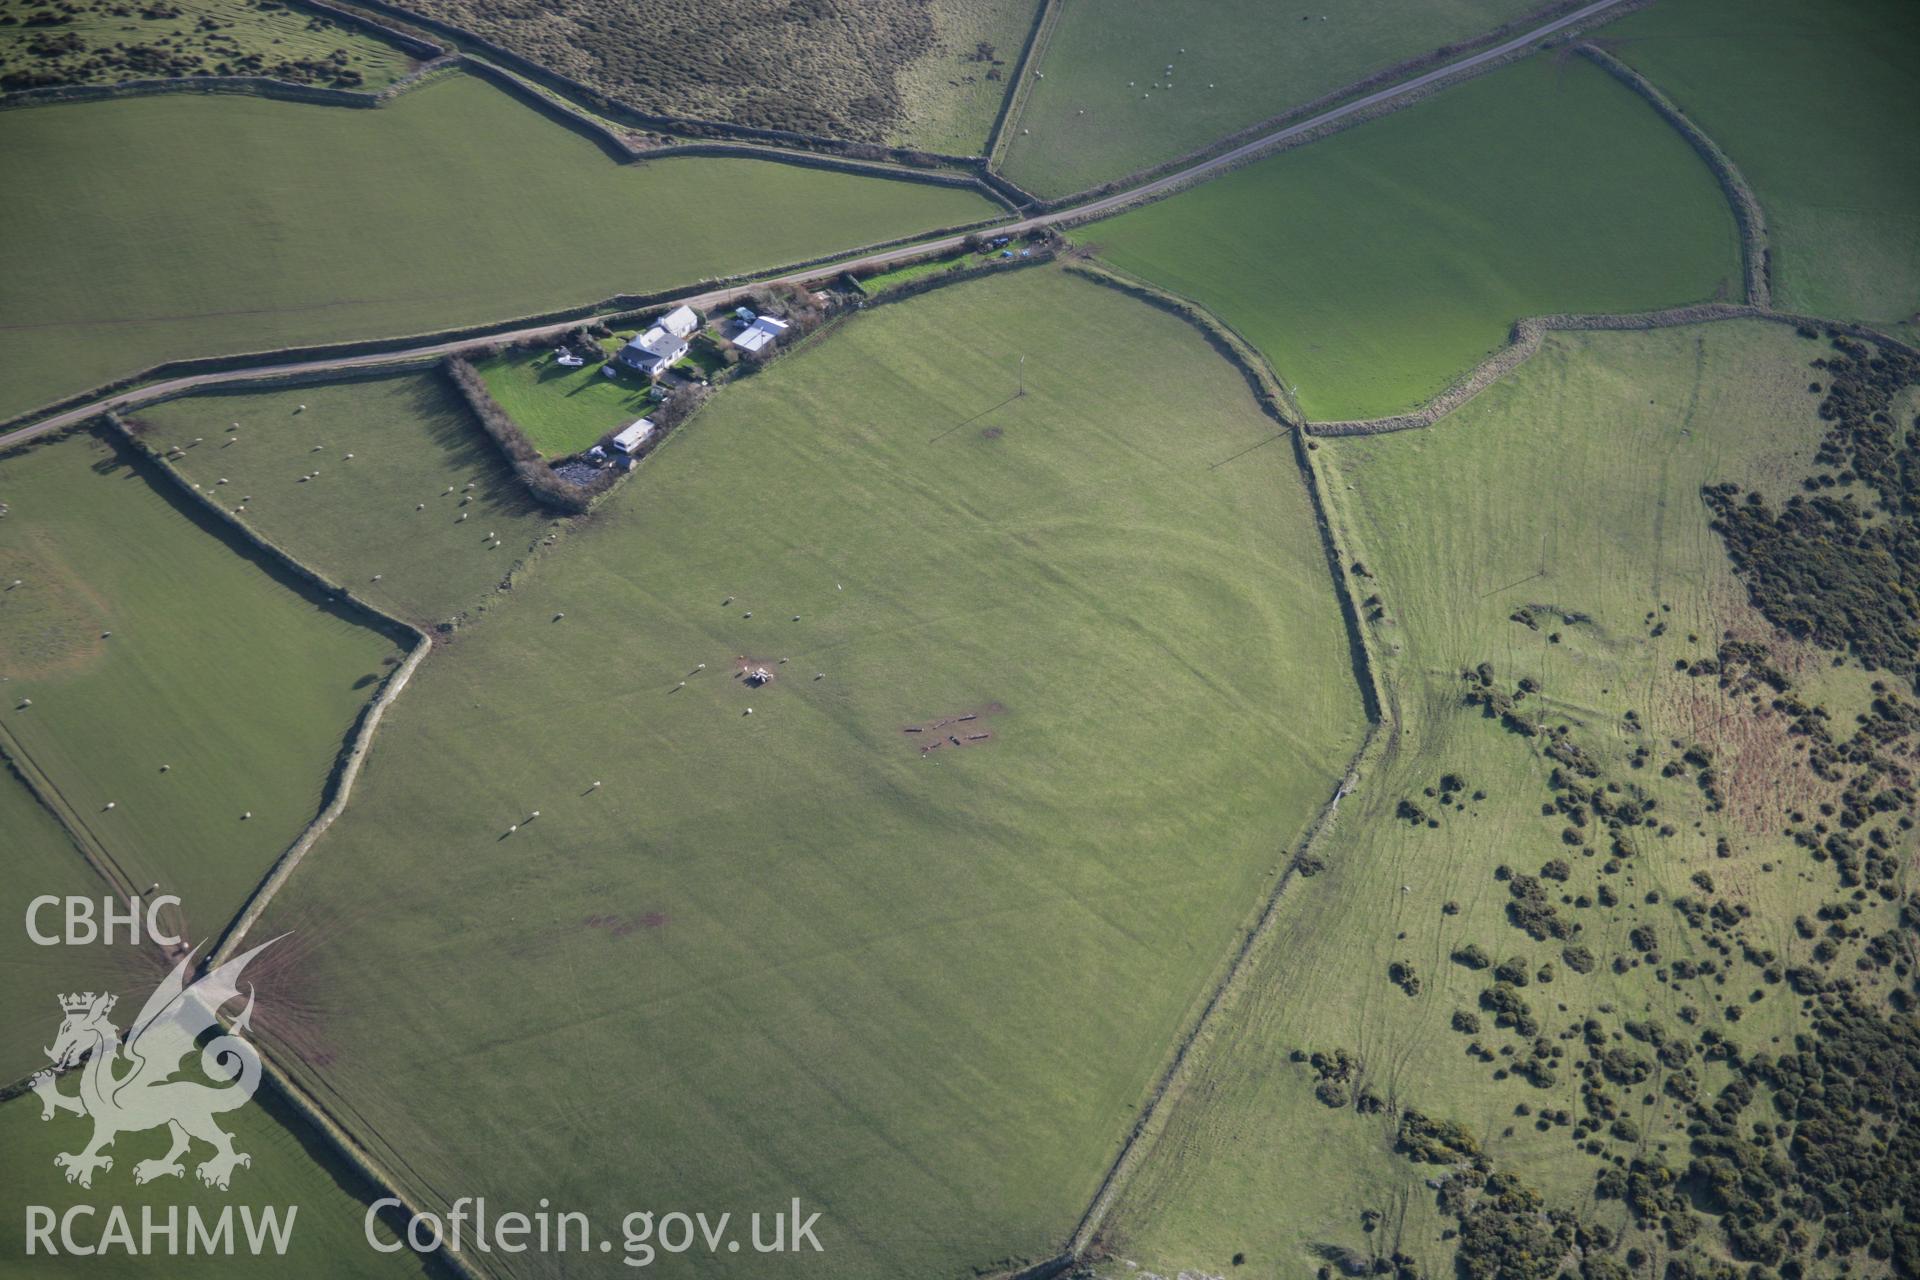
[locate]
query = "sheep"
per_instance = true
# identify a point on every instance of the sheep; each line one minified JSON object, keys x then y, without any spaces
{"x":419,"y":506}
{"x":377,"y":577}
{"x":749,"y":710}
{"x":110,"y":804}
{"x":166,"y":768}
{"x":247,"y":816}
{"x":701,"y":667}
{"x":558,"y":616}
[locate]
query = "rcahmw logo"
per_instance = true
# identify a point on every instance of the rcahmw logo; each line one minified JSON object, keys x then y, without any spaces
{"x":131,"y":1086}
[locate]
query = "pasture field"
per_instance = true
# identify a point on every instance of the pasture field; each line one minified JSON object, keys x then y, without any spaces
{"x":1834,"y":170}
{"x":563,"y":410}
{"x":289,"y":1168}
{"x":40,"y":859}
{"x":202,"y":226}
{"x":411,"y":440}
{"x":1568,"y":493}
{"x":104,"y":41}
{"x":1375,"y":266}
{"x":1101,"y":107}
{"x":143,"y":638}
{"x":950,"y":95}
{"x":738,"y":958}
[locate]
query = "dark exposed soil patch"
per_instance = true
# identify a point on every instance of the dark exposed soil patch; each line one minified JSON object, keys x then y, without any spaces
{"x":620,"y":926}
{"x":964,"y":729}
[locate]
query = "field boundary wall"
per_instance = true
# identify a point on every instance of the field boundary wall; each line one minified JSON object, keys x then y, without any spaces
{"x":1756,"y":256}
{"x":1384,"y":78}
{"x":1380,"y":733}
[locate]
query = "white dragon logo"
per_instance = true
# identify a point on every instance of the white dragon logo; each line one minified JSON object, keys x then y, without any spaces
{"x":128,"y":1088}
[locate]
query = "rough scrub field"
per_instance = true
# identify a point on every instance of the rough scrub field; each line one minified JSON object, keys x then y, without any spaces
{"x":868,"y":71}
{"x":1375,"y":266}
{"x":165,"y":681}
{"x":203,"y":226}
{"x":1835,"y":171}
{"x":1560,"y":911}
{"x":1104,"y":105}
{"x":408,"y":503}
{"x":908,"y":931}
{"x":62,"y":42}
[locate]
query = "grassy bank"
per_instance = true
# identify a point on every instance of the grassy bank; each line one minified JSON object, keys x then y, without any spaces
{"x":1102,"y":108}
{"x":383,"y":450}
{"x":165,"y":719}
{"x":1375,"y":266}
{"x":1835,"y":171}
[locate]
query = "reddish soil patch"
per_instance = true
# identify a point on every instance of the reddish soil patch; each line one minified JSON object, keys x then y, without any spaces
{"x":620,"y":926}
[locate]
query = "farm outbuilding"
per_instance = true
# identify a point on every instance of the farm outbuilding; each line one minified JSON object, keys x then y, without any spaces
{"x":763,"y":332}
{"x":633,"y":435}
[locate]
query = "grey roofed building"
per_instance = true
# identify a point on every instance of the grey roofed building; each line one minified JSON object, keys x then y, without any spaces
{"x":761,"y":333}
{"x":653,"y":351}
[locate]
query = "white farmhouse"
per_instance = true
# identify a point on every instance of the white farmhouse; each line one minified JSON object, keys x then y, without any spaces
{"x":763,"y":332}
{"x":633,"y":436}
{"x":681,"y":322}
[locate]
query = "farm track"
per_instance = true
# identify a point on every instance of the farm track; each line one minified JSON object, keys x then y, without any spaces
{"x":1346,"y":113}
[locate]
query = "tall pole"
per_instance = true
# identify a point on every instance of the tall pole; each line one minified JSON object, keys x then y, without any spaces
{"x":1020,"y":382}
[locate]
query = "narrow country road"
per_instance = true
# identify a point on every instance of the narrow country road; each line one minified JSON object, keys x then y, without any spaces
{"x":706,"y":302}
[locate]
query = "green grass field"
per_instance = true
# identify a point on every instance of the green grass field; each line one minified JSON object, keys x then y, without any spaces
{"x":103,"y":41}
{"x":201,"y":226}
{"x":1099,"y":110}
{"x":41,"y":860}
{"x":563,"y":410}
{"x":1807,"y":99}
{"x":950,"y":96}
{"x":411,"y":439}
{"x":217,"y":666}
{"x":787,"y":954}
{"x":1375,"y":266}
{"x":329,"y":1199}
{"x":1574,"y":485}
